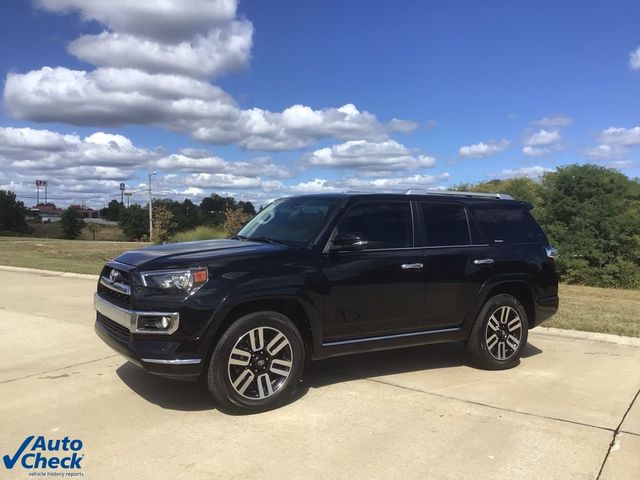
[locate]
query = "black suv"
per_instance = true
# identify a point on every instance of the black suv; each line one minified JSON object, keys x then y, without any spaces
{"x":316,"y":276}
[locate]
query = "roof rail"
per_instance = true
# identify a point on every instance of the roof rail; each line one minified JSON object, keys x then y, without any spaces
{"x":499,"y":196}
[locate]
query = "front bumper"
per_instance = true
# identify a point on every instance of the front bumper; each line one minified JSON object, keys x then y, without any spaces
{"x":155,"y":352}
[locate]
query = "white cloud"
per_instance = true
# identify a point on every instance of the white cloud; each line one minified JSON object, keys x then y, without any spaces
{"x":482,"y":149}
{"x":196,"y":162}
{"x":28,"y":149}
{"x":220,"y":51}
{"x":164,"y":20}
{"x":152,"y":68}
{"x":553,"y":121}
{"x":533,"y":171}
{"x":535,"y":152}
{"x":394,"y":184}
{"x":386,"y":155}
{"x":543,"y":137}
{"x":620,"y":136}
{"x":614,"y":142}
{"x":110,"y":97}
{"x":634,"y":59}
{"x":541,"y":143}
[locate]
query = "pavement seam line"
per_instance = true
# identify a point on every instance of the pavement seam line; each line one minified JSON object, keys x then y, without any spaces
{"x":616,"y":432}
{"x":472,"y":402}
{"x":57,"y":369}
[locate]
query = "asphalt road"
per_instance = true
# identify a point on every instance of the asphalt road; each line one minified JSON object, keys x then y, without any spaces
{"x":566,"y":412}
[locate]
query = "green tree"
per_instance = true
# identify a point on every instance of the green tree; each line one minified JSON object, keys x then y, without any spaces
{"x":134,"y":222}
{"x":520,"y":188}
{"x":12,"y":213}
{"x":72,"y":223}
{"x":112,"y":211}
{"x":592,"y":214}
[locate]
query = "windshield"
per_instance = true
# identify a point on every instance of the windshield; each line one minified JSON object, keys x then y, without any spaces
{"x":294,"y":221}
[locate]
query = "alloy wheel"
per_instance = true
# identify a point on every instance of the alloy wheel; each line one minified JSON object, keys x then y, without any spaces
{"x":503,"y":333}
{"x":260,"y":363}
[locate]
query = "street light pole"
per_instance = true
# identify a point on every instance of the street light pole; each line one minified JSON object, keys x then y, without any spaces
{"x":151,"y":208}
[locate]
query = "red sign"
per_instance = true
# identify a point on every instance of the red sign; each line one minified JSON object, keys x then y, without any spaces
{"x":41,"y":183}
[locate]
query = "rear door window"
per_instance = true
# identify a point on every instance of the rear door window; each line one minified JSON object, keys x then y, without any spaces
{"x":382,"y":224}
{"x":445,"y":224}
{"x":508,"y":224}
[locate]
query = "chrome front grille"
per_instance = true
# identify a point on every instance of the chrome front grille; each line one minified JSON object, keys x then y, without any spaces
{"x":114,"y":285}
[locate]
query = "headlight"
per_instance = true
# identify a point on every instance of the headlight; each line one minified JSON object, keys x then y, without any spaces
{"x":176,"y":280}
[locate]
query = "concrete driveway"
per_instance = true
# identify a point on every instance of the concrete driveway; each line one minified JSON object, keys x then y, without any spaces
{"x":566,"y":412}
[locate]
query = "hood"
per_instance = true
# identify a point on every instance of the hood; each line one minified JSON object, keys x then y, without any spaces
{"x":191,"y":253}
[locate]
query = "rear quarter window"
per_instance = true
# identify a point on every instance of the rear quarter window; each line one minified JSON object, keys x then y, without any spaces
{"x":508,"y":224}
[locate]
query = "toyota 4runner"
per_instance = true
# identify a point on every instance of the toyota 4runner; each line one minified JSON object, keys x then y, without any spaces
{"x":316,"y":276}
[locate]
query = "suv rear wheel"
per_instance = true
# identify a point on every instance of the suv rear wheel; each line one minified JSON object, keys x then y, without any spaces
{"x":500,"y":333}
{"x":257,"y":363}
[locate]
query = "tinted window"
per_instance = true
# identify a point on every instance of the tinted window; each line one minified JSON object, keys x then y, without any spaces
{"x":383,"y":225}
{"x":508,"y":223}
{"x":295,"y":220}
{"x":445,"y":224}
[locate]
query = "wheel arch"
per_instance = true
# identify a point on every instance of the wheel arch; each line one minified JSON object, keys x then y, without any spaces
{"x":518,"y":287}
{"x":291,"y":306}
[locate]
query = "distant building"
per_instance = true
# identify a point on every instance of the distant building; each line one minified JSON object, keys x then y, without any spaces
{"x":49,"y":213}
{"x":86,"y":212}
{"x":46,"y":213}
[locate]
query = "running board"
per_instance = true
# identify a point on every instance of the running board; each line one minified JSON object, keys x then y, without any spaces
{"x":337,"y":343}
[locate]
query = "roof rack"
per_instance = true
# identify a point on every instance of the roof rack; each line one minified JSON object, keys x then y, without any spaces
{"x":499,"y":196}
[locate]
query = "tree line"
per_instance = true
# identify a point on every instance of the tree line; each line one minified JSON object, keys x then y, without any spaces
{"x":171,"y":216}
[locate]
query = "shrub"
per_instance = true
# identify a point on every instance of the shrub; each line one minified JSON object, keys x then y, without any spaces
{"x":199,"y":233}
{"x":72,"y":223}
{"x":235,"y":220}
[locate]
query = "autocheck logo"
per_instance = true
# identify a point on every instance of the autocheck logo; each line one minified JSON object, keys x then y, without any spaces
{"x":42,"y":454}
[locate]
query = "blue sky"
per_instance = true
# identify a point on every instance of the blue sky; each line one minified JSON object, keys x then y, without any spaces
{"x":250,"y":98}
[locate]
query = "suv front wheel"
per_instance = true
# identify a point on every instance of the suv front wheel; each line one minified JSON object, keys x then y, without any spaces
{"x":500,"y":333}
{"x":257,"y":363}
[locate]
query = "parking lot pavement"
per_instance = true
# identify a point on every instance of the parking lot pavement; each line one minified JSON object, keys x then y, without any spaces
{"x":413,"y":413}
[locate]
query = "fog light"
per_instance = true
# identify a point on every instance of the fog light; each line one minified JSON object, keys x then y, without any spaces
{"x":165,"y":322}
{"x":157,"y":324}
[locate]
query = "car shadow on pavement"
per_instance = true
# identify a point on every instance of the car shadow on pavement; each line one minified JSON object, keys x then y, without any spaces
{"x":164,"y":392}
{"x":390,"y":362}
{"x":193,"y":396}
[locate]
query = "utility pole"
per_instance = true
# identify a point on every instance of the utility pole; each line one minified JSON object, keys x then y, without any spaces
{"x":122,"y":188}
{"x":151,"y":208}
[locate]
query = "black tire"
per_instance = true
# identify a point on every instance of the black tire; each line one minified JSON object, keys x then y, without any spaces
{"x":498,"y":353}
{"x":253,"y":392}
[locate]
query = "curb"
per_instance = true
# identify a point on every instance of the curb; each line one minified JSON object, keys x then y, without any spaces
{"x":55,"y":273}
{"x":592,"y":336}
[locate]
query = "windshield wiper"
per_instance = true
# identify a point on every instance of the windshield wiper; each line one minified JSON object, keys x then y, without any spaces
{"x":238,"y":237}
{"x":272,"y":241}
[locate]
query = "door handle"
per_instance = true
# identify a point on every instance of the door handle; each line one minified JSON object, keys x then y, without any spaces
{"x":483,"y":261}
{"x":412,"y":266}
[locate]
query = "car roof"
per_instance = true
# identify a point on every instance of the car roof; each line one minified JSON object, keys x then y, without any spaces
{"x":448,"y":196}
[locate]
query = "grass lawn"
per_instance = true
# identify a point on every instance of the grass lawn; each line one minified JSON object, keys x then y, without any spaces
{"x":78,"y":256}
{"x":581,"y":308}
{"x":604,"y":310}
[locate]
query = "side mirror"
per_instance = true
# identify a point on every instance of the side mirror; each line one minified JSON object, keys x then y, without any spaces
{"x":348,"y":241}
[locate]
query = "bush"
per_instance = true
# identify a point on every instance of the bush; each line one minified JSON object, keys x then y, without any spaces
{"x":134,"y":222}
{"x":199,"y":233}
{"x":235,"y":220}
{"x":163,"y":224}
{"x":72,"y":223}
